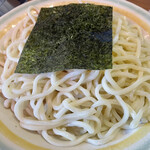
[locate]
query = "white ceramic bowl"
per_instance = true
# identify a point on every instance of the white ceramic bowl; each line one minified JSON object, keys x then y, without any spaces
{"x":12,"y":136}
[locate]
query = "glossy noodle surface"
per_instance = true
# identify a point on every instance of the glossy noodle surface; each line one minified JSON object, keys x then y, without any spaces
{"x":75,"y":106}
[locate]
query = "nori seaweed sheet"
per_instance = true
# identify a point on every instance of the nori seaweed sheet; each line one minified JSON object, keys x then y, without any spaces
{"x":75,"y":36}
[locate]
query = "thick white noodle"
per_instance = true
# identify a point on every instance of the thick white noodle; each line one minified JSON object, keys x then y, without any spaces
{"x":74,"y":106}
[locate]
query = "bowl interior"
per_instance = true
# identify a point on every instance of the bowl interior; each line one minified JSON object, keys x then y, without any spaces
{"x":12,"y":133}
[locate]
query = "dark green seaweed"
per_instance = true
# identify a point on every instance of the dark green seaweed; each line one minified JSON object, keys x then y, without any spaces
{"x":75,"y":36}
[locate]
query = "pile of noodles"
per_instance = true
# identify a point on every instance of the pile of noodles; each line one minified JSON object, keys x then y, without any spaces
{"x":74,"y":106}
